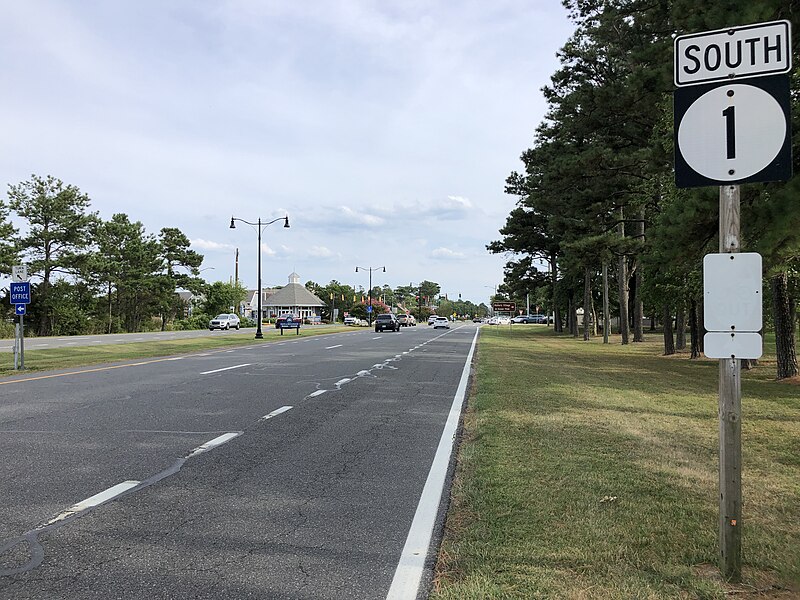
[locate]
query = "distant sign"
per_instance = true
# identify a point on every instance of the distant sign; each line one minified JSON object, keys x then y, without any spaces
{"x":504,"y":306}
{"x":733,"y":53}
{"x":20,"y":293}
{"x":19,"y":273}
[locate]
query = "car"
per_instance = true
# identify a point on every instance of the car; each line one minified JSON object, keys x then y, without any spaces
{"x":403,"y":320}
{"x":503,"y":320}
{"x":477,"y":320}
{"x":352,"y":321}
{"x":431,"y":319}
{"x":526,"y":319}
{"x":386,"y":321}
{"x":224,"y":321}
{"x":412,"y":320}
{"x":441,"y":322}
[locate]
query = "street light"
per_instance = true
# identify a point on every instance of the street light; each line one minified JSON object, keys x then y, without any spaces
{"x":370,"y":269}
{"x":260,"y":226}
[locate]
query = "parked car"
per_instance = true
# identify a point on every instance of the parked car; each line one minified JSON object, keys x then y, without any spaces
{"x":352,"y":321}
{"x":503,"y":320}
{"x":525,"y":319}
{"x":441,"y":322}
{"x":386,"y":321}
{"x":224,"y":321}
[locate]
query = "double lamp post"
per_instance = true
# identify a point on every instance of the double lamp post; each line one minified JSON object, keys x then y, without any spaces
{"x":260,"y":226}
{"x":370,"y":269}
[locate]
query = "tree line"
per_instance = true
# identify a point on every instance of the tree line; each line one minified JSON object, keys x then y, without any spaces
{"x":91,"y":275}
{"x":597,"y":202}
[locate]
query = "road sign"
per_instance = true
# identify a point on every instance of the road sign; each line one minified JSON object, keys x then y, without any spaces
{"x":19,"y":273}
{"x":733,"y":133}
{"x":504,"y":306}
{"x":732,"y":296}
{"x":719,"y":344}
{"x":20,"y":293}
{"x":369,"y":309}
{"x":19,"y":309}
{"x":736,"y":52}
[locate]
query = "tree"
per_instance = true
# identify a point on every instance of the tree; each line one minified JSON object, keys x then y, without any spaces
{"x":58,"y":235}
{"x":175,"y":253}
{"x":221,"y":296}
{"x":8,"y":254}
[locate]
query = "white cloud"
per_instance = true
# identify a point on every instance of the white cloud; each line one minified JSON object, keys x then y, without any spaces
{"x":446,"y":254}
{"x":320,"y":252}
{"x":201,"y":244}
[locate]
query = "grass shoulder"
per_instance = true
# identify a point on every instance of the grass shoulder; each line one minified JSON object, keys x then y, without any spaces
{"x":590,"y":471}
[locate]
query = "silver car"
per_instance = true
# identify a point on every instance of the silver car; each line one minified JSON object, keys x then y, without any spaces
{"x":224,"y":321}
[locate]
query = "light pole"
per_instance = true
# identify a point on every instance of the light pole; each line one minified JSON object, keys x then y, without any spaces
{"x":370,"y":269}
{"x":260,"y":226}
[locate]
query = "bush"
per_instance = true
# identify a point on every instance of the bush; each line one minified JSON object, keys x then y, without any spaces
{"x":198,"y":321}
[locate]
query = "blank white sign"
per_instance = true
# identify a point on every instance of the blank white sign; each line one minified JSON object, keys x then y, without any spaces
{"x":717,"y":344}
{"x":732,"y":292}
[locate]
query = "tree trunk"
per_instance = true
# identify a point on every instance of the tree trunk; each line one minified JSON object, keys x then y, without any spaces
{"x":669,"y":338}
{"x":652,"y":322}
{"x":622,"y":282}
{"x":558,"y":324}
{"x":694,"y":329}
{"x":638,"y":306}
{"x":109,"y":308}
{"x":587,"y":302}
{"x":701,"y":326}
{"x":606,"y":319}
{"x":680,"y":328}
{"x":784,"y":327}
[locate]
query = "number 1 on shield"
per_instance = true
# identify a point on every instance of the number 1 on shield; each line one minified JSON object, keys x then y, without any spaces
{"x":730,"y":130}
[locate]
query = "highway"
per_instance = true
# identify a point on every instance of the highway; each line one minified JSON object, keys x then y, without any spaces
{"x":291,"y":469}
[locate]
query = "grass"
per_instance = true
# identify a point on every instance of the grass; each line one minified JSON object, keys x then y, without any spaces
{"x":590,"y":472}
{"x":79,"y":356}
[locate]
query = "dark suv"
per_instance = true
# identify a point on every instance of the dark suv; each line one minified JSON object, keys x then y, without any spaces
{"x":387,"y":321}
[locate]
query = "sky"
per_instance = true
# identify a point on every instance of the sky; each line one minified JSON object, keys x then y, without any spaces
{"x":384,"y":129}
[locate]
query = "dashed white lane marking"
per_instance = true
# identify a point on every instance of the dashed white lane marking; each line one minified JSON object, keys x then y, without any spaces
{"x":104,"y":496}
{"x":176,"y":358}
{"x":228,"y":351}
{"x":225,"y":369}
{"x":317,"y":393}
{"x":332,"y":347}
{"x":341,"y":382}
{"x":217,"y":441}
{"x":70,"y":343}
{"x":276,"y":412}
{"x":408,"y":575}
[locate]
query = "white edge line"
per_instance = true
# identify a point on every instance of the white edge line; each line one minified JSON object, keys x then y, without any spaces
{"x":217,"y":441}
{"x":276,"y":412}
{"x":98,"y":498}
{"x":408,"y":574}
{"x":225,"y":369}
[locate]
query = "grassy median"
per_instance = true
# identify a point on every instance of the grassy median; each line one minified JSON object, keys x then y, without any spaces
{"x":80,"y":356}
{"x":590,"y":472}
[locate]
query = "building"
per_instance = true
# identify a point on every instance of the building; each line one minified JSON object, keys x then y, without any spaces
{"x":292,"y":299}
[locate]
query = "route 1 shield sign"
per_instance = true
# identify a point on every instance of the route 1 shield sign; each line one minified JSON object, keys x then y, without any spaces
{"x":733,"y":133}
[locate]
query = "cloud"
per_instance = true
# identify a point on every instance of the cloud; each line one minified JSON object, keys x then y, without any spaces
{"x":202,"y":244}
{"x":447,"y":254}
{"x":320,"y":252}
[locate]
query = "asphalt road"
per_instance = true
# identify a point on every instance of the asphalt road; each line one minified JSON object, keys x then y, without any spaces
{"x":324,"y":445}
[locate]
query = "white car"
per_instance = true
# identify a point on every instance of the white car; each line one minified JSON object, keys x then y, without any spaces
{"x":503,"y":320}
{"x":441,"y":322}
{"x":352,"y":321}
{"x":224,"y":321}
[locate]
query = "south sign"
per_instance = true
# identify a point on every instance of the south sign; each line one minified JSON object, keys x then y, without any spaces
{"x":733,"y":53}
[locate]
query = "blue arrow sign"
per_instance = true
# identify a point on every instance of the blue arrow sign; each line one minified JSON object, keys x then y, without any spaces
{"x":19,"y":309}
{"x":20,"y":292}
{"x":369,"y":309}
